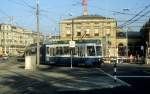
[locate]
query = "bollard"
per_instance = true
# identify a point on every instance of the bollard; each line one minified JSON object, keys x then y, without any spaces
{"x":115,"y":72}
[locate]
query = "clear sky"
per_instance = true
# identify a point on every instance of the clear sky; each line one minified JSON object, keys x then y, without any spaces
{"x":52,"y":11}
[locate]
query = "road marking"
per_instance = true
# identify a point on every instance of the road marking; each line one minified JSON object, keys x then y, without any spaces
{"x":113,"y":77}
{"x":134,"y":76}
{"x":146,"y":71}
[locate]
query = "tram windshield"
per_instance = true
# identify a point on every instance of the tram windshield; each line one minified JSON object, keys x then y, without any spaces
{"x":90,"y":51}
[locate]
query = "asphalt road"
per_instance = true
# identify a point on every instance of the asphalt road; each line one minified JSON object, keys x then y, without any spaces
{"x":138,"y":76}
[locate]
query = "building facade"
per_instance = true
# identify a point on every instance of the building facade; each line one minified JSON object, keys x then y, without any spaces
{"x":14,"y":40}
{"x":145,"y":31}
{"x":92,"y":27}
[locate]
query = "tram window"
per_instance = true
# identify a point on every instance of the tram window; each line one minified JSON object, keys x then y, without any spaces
{"x":54,"y":51}
{"x":66,"y":50}
{"x":59,"y":51}
{"x":75,"y":50}
{"x":98,"y":50}
{"x":47,"y":50}
{"x":81,"y":51}
{"x":90,"y":51}
{"x":51,"y":52}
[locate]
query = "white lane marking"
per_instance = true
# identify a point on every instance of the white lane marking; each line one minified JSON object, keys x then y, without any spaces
{"x":134,"y":76}
{"x":113,"y":77}
{"x":146,"y":71}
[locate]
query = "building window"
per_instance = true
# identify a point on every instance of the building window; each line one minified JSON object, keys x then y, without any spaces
{"x":78,"y":33}
{"x":68,"y":35}
{"x":96,"y":34}
{"x":107,"y":32}
{"x":78,"y":26}
{"x":68,"y":32}
{"x":87,"y":31}
{"x":67,"y":28}
{"x":96,"y":27}
{"x":68,"y":24}
{"x":121,"y":50}
{"x":108,"y":23}
{"x":87,"y":34}
{"x":96,"y":31}
{"x":2,"y":27}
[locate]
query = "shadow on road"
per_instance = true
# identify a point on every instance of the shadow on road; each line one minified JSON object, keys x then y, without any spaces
{"x":116,"y":90}
{"x":20,"y":84}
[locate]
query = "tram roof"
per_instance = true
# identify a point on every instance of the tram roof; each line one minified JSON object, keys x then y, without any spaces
{"x":77,"y":41}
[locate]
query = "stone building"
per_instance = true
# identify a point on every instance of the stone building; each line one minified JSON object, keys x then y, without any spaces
{"x":91,"y":27}
{"x":145,"y":32}
{"x":14,"y":40}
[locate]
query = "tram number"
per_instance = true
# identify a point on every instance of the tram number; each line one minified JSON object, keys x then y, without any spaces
{"x":72,"y":44}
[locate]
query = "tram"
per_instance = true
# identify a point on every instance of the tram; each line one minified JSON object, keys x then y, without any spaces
{"x":85,"y":52}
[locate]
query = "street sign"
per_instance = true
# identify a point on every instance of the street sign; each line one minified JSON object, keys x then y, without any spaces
{"x":72,"y":44}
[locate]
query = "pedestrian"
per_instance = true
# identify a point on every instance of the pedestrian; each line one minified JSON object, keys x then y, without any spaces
{"x":131,"y":58}
{"x":121,"y":61}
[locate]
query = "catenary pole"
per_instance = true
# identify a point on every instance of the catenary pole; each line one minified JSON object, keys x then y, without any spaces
{"x":37,"y":29}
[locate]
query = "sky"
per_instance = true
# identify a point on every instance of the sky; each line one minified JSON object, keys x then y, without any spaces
{"x":53,"y":11}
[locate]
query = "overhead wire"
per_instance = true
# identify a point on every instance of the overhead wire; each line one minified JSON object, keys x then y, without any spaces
{"x":28,"y":5}
{"x":114,"y":11}
{"x":138,"y":14}
{"x":24,"y":4}
{"x":139,"y":17}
